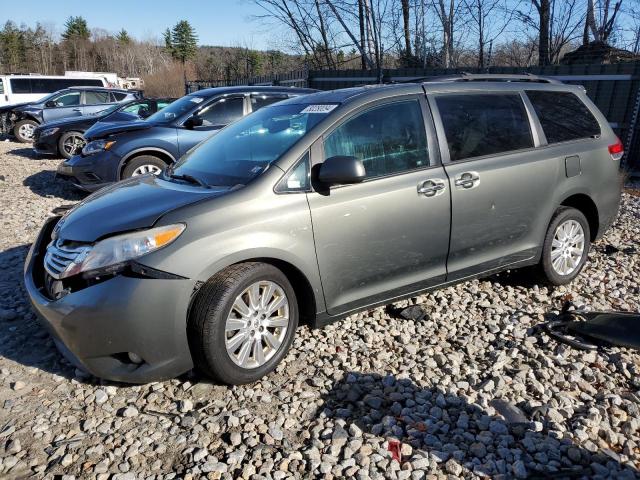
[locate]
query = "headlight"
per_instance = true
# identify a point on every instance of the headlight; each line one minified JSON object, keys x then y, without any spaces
{"x":97,"y":146}
{"x":115,"y":251}
{"x":48,"y":131}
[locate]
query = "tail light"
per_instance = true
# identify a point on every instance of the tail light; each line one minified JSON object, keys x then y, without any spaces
{"x":616,"y":150}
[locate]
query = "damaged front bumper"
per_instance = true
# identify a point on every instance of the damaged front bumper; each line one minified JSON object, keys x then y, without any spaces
{"x":96,"y":327}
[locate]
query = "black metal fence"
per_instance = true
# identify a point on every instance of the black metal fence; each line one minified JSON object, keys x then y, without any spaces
{"x":614,"y":88}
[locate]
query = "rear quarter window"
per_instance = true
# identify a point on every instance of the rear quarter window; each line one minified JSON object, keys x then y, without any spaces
{"x":477,"y":125}
{"x":563,"y":116}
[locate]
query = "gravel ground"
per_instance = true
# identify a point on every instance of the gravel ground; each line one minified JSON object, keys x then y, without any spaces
{"x":469,"y":389}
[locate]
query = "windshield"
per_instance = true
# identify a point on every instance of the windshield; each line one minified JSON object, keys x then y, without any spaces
{"x":243,"y":150}
{"x":176,"y":109}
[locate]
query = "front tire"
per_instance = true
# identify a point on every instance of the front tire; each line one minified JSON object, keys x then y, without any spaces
{"x":566,"y":246}
{"x":242,"y":323}
{"x":143,"y":165}
{"x":70,"y":144}
{"x":24,"y":129}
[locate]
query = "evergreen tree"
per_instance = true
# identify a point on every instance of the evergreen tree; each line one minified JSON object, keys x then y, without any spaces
{"x":181,"y":43}
{"x":123,"y":37}
{"x":75,"y":28}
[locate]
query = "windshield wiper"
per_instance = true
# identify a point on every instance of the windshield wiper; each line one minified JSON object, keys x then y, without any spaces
{"x":189,"y":178}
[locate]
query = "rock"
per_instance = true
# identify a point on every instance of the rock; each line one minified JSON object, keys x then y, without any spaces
{"x":101,"y":396}
{"x":129,"y":412}
{"x":18,"y":385}
{"x":185,"y":406}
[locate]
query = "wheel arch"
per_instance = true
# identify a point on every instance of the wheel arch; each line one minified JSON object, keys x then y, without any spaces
{"x":155,"y":151}
{"x":306,"y":296}
{"x":585,"y":204}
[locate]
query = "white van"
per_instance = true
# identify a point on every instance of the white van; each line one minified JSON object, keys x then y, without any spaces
{"x":31,"y":88}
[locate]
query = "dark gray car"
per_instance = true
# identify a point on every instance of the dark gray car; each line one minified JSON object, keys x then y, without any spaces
{"x":317,"y":207}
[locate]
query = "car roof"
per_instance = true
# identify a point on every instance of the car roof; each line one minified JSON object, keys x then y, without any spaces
{"x":461,"y":83}
{"x":106,"y":89}
{"x":208,"y":92}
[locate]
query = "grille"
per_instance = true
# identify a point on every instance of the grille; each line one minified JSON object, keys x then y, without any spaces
{"x":59,"y":256}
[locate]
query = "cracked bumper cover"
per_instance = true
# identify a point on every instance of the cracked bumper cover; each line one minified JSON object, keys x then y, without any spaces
{"x":96,"y":326}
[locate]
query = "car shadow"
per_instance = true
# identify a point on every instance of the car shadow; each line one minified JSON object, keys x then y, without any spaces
{"x":462,"y":437}
{"x":26,"y":152}
{"x":526,"y":277}
{"x":45,"y":184}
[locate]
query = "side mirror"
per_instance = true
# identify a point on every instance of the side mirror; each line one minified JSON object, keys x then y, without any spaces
{"x":193,"y":121}
{"x":144,"y":113}
{"x":341,"y":170}
{"x":50,"y":104}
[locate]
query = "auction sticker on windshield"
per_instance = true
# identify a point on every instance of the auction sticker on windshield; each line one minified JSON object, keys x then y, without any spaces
{"x":319,"y":108}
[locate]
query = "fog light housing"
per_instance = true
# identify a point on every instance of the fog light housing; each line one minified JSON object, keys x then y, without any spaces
{"x":134,"y":358}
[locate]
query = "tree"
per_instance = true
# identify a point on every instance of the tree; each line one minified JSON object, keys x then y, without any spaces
{"x":181,"y":43}
{"x":75,"y":28}
{"x":447,"y":18}
{"x":602,"y":26}
{"x":406,"y":27}
{"x":123,"y":37}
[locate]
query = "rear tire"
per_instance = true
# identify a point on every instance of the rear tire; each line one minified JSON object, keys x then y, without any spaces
{"x":218,"y":332}
{"x":70,"y":144}
{"x":566,"y":246}
{"x":142,"y":165}
{"x":23,"y":130}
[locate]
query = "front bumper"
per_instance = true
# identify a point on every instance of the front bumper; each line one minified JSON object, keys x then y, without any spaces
{"x":42,"y":147}
{"x":92,"y":172}
{"x":95,"y":327}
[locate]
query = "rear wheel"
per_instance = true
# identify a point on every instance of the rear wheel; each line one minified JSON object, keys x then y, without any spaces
{"x":24,"y":129}
{"x":242,"y":323}
{"x":143,"y":165}
{"x":70,"y":144}
{"x":566,"y":246}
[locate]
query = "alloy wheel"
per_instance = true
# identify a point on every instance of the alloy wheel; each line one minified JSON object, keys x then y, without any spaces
{"x":567,"y":247}
{"x":73,"y":144}
{"x":257,"y":324}
{"x":144,"y":169}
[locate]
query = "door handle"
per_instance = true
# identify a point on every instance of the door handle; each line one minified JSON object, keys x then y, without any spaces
{"x":76,"y":109}
{"x":431,"y":187}
{"x":467,"y":180}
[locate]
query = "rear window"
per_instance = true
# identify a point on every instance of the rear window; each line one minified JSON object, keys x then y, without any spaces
{"x":563,"y":116}
{"x":476,"y":125}
{"x":1,"y":87}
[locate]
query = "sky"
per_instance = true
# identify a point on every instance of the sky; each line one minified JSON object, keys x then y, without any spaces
{"x":217,"y":22}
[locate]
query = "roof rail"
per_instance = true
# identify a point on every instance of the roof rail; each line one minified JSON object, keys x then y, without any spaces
{"x":492,"y":77}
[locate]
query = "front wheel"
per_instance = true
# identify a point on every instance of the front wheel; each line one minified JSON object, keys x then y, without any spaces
{"x":566,"y":246}
{"x":70,"y":144}
{"x":143,"y":165}
{"x":24,"y":130}
{"x":242,"y":322}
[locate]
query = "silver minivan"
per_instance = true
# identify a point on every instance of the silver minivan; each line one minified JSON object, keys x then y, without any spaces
{"x":319,"y":206}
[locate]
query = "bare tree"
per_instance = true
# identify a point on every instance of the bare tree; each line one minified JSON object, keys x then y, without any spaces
{"x":446,"y":15}
{"x":406,"y":23}
{"x":488,"y":20}
{"x":601,"y":19}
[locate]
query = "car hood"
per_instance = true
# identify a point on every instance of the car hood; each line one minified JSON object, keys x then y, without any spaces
{"x":104,"y":129}
{"x":132,"y":204}
{"x":18,"y":106}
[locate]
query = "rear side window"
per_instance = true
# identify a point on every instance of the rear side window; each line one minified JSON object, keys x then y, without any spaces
{"x":563,"y":116}
{"x":223,"y":112}
{"x":20,"y":85}
{"x":476,"y":125}
{"x":388,"y":139}
{"x":259,"y":101}
{"x":94,"y":98}
{"x":118,"y":96}
{"x":1,"y":87}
